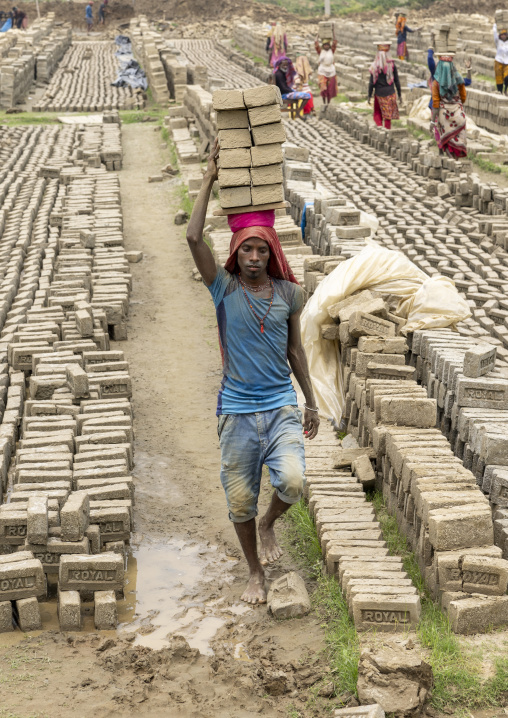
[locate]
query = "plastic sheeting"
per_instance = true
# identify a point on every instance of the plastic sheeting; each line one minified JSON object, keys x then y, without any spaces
{"x":7,"y":25}
{"x":424,"y":301}
{"x":131,"y":74}
{"x":124,"y":45}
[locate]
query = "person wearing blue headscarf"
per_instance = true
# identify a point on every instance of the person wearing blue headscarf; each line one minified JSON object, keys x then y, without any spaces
{"x":448,"y":116}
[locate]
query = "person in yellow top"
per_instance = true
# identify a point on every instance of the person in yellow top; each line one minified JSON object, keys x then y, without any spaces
{"x":448,"y":116}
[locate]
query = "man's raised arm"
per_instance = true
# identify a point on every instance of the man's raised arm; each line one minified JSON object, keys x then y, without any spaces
{"x":200,"y":250}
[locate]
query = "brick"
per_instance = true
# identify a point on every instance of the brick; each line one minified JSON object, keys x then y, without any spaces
{"x":228,"y":100}
{"x":21,"y":579}
{"x":232,"y":120}
{"x":408,"y":412}
{"x":363,"y":359}
{"x":479,"y":360}
{"x":478,"y":614}
{"x":385,"y":613}
{"x":74,"y":516}
{"x":69,"y":610}
{"x":265,"y":115}
{"x":77,"y":379}
{"x":232,"y":159}
{"x":102,"y":572}
{"x":28,"y":614}
{"x":482,"y":393}
{"x":37,"y":519}
{"x":268,"y":193}
{"x":268,"y":134}
{"x":234,"y":139}
{"x":456,"y":528}
{"x":6,"y":624}
{"x":390,"y":345}
{"x":266,"y":155}
{"x":235,"y":197}
{"x":264,"y":95}
{"x":269,"y":174}
{"x":239,"y":177}
{"x":105,"y":614}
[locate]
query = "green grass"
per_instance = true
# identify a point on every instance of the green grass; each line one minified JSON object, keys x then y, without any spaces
{"x":487,"y":165}
{"x":29,"y":118}
{"x":314,"y":8}
{"x":327,"y":599}
{"x":485,"y":78}
{"x":185,"y":201}
{"x":254,"y":58}
{"x":457,"y":667}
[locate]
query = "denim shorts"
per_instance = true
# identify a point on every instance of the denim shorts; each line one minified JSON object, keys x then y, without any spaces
{"x":248,"y":441}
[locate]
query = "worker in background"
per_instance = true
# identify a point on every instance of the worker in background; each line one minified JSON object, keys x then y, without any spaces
{"x":269,"y":35}
{"x":431,"y":64}
{"x":102,"y":12}
{"x":89,"y":16}
{"x":501,"y":60}
{"x":278,"y":44}
{"x":326,"y":72}
{"x":285,"y":78}
{"x":302,"y":81}
{"x":401,"y":31}
{"x":258,"y":303}
{"x":383,"y":81}
{"x":448,"y":116}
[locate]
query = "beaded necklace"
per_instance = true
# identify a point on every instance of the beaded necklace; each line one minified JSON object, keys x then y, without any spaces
{"x":261,"y":320}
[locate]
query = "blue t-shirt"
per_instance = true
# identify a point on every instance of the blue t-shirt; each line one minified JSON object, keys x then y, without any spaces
{"x":89,"y":12}
{"x":256,"y":372}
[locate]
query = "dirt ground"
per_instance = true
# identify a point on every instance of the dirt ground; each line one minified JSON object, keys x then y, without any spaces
{"x":187,"y":646}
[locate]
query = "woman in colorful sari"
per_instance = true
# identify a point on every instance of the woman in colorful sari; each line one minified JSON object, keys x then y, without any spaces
{"x":448,"y":116}
{"x":285,"y":76}
{"x":327,"y":74}
{"x":278,"y":44}
{"x":302,"y":79}
{"x":383,"y":81}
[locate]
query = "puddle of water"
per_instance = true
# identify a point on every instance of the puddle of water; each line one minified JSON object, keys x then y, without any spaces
{"x":240,"y":654}
{"x":164,"y":594}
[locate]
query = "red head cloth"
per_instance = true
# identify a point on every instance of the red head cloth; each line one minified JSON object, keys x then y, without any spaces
{"x":278,"y":267}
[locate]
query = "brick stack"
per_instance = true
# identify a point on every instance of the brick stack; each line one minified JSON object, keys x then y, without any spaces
{"x":66,"y":429}
{"x":435,"y":498}
{"x":250,"y":134}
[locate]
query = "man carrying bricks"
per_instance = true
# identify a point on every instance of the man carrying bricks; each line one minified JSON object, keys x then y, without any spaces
{"x":258,"y":304}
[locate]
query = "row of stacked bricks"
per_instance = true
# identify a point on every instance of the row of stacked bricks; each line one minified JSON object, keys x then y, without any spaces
{"x":434,"y":496}
{"x":472,"y":400}
{"x":66,"y":436}
{"x":250,"y":134}
{"x":379,"y":593}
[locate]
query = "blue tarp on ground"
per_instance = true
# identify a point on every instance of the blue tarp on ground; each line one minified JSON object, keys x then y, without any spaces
{"x":7,"y":25}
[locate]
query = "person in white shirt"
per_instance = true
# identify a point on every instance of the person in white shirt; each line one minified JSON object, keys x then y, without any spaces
{"x":501,"y":61}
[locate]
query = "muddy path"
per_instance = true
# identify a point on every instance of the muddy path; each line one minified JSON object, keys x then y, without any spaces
{"x":186,"y":646}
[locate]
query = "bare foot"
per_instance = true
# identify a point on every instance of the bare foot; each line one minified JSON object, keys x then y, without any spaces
{"x":270,"y":549}
{"x":255,"y":592}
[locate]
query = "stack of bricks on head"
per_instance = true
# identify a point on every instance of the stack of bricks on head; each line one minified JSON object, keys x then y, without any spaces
{"x":430,"y":414}
{"x":66,"y":436}
{"x":250,"y":154}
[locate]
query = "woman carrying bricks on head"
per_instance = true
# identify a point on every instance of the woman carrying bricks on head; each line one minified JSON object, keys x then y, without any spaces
{"x":327,"y":74}
{"x":383,"y":81}
{"x":401,"y":31}
{"x":285,"y":75}
{"x":278,"y":44}
{"x":448,"y":116}
{"x":258,"y":304}
{"x":501,"y":61}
